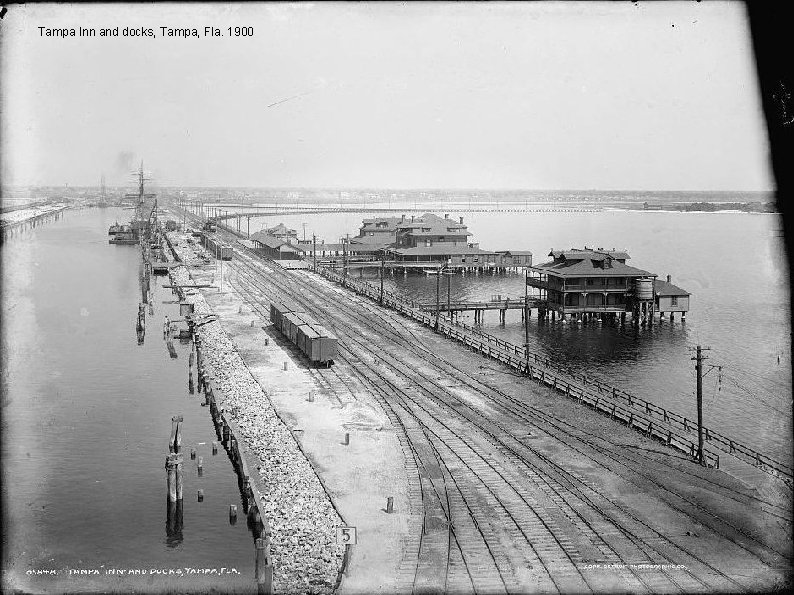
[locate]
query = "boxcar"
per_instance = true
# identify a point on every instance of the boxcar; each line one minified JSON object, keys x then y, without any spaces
{"x":323,"y":347}
{"x":305,"y":335}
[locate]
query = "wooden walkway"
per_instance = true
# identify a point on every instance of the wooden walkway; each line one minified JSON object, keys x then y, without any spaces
{"x":517,"y":304}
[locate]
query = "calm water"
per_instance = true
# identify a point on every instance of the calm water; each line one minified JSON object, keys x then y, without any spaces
{"x":734,"y":265}
{"x":86,"y":420}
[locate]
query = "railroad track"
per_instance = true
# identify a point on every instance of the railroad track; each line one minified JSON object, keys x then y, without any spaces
{"x":508,"y":512}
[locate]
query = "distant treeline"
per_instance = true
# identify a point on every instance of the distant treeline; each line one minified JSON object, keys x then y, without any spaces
{"x":747,"y":207}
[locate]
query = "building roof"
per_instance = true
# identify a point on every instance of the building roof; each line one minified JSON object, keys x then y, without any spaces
{"x":578,"y":254}
{"x":515,"y":252}
{"x":371,"y":224}
{"x":280,"y":229}
{"x":433,"y":222}
{"x":443,"y":249}
{"x":273,"y":242}
{"x":586,"y":267}
{"x":664,"y":288}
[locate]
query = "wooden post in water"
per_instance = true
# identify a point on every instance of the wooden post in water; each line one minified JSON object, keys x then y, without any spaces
{"x":264,"y":567}
{"x":173,"y":467}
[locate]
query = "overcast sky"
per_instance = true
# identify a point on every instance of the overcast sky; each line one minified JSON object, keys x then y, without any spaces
{"x":537,"y":96}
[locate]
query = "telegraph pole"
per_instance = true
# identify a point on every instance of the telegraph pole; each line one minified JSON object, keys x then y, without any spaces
{"x":699,"y":357}
{"x":449,"y":279}
{"x":526,"y":315}
{"x":438,"y":292}
{"x":344,"y":260}
{"x":382,"y":263}
{"x":314,"y":251}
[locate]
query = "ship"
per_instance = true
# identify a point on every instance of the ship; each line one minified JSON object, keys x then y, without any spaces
{"x":103,"y":202}
{"x":144,"y":220}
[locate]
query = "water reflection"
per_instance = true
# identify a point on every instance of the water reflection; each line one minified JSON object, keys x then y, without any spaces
{"x":173,"y":523}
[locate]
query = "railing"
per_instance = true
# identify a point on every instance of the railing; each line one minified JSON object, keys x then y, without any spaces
{"x":595,"y":307}
{"x":634,"y":411}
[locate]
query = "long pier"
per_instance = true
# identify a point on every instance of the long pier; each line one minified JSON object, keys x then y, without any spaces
{"x":506,"y":304}
{"x":220,"y":212}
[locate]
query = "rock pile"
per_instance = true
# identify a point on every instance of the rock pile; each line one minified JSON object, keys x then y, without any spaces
{"x":190,"y":252}
{"x":306,"y":557}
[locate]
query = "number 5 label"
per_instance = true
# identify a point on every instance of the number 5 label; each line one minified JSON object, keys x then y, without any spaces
{"x":346,"y":535}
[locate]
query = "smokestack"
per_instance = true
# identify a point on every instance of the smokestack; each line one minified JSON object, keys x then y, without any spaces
{"x":668,"y":278}
{"x":461,"y":220}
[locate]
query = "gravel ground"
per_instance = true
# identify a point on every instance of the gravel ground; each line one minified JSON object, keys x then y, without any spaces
{"x":303,"y":521}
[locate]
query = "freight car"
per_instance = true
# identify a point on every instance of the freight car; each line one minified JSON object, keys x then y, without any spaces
{"x":215,"y":247}
{"x":313,"y":340}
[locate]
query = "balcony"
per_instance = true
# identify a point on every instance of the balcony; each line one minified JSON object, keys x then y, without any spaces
{"x":596,"y":288}
{"x":617,"y":308}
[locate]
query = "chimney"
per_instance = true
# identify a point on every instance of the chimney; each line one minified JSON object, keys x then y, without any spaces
{"x":461,"y":220}
{"x":668,"y":278}
{"x":446,"y":215}
{"x":403,"y":219}
{"x":412,"y":218}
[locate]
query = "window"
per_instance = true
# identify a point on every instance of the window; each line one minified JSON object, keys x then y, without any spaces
{"x":589,"y":281}
{"x":674,"y":300}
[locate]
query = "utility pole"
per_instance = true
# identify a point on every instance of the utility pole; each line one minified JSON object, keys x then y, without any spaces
{"x":699,"y":357}
{"x":382,"y":262}
{"x":526,"y":315}
{"x":314,"y":251}
{"x":344,"y":263}
{"x":448,"y":273}
{"x":438,"y":291}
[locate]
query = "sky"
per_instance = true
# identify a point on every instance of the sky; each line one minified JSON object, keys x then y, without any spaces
{"x":605,"y":96}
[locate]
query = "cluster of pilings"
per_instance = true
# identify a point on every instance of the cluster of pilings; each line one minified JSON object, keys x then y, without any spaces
{"x":639,"y":316}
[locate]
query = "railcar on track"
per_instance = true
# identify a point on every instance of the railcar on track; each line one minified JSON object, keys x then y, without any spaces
{"x":311,"y":338}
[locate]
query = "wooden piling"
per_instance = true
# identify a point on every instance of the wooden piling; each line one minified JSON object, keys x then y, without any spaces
{"x":264,"y":567}
{"x":175,"y":442}
{"x":347,"y":438}
{"x":390,"y":504}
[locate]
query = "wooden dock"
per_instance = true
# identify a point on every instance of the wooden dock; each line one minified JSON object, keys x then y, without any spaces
{"x":507,"y":304}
